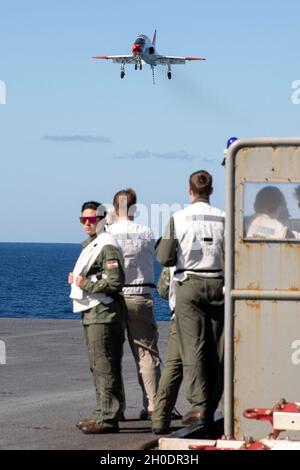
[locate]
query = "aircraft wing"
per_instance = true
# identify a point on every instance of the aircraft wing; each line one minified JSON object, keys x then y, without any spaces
{"x":168,"y":59}
{"x":118,"y":59}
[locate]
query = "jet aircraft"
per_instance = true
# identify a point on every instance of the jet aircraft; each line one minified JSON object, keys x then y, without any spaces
{"x":144,"y":52}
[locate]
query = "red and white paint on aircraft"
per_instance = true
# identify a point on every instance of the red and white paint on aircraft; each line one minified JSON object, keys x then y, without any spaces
{"x":144,"y":52}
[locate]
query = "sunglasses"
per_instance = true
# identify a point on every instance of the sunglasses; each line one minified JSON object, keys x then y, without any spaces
{"x":90,"y":220}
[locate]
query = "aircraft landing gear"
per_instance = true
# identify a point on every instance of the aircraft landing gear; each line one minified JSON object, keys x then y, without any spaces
{"x":141,"y":66}
{"x":135,"y":66}
{"x":169,"y":74}
{"x":122,"y":71}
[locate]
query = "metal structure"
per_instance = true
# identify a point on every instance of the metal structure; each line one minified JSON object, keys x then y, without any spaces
{"x":262,"y":286}
{"x":283,"y":416}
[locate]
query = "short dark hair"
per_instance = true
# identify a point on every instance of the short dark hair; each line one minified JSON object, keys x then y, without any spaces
{"x":201,"y":183}
{"x":123,"y":201}
{"x":96,"y":206}
{"x":268,"y":199}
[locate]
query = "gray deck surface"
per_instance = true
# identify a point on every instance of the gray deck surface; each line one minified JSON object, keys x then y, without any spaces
{"x":46,"y":386}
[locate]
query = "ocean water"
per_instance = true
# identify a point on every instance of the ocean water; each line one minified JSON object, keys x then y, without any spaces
{"x":33,"y":281}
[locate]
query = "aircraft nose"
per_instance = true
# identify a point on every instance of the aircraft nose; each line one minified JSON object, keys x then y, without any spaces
{"x":136,"y":48}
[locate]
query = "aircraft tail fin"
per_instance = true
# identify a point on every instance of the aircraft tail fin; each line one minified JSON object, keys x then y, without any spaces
{"x":154,"y":40}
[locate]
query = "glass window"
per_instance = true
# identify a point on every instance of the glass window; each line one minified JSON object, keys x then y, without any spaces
{"x":272,"y":211}
{"x":139,"y":41}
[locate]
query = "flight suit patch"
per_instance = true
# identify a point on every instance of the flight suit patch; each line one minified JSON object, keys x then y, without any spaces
{"x":112,"y":264}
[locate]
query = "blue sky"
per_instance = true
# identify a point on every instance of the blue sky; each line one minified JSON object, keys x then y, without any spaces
{"x":144,"y":136}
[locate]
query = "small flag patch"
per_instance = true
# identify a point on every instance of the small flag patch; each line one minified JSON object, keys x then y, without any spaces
{"x":112,"y":264}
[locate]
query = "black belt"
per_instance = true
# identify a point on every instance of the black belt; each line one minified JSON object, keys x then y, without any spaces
{"x":178,"y":271}
{"x":147,"y":284}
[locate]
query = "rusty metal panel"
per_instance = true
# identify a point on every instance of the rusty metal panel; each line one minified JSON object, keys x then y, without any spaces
{"x":262,"y":277}
{"x":266,"y":359}
{"x":261,"y":265}
{"x":266,"y":266}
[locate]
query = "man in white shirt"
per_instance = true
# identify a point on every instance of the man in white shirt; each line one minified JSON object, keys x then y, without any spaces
{"x":194,"y":244}
{"x":137,"y":244}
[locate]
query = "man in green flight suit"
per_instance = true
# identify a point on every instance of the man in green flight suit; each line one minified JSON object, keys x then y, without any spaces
{"x":96,"y":285}
{"x":172,"y":374}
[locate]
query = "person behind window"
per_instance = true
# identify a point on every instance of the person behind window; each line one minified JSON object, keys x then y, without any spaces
{"x":271,"y":216}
